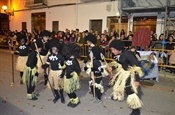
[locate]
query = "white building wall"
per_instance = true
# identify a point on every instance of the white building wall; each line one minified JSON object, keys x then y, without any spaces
{"x":87,"y":12}
{"x":71,"y":17}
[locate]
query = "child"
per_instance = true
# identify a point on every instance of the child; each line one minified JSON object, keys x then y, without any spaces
{"x":23,"y":51}
{"x":71,"y":79}
{"x":30,"y":72}
{"x":56,"y":61}
{"x":96,"y":88}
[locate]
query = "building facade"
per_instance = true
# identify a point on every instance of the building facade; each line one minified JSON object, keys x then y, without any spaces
{"x":83,"y":14}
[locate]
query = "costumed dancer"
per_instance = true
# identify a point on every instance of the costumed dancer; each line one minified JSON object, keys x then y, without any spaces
{"x":23,"y":51}
{"x":56,"y":61}
{"x":30,"y":72}
{"x":44,"y":37}
{"x":96,"y":67}
{"x":127,"y":77}
{"x":71,"y":79}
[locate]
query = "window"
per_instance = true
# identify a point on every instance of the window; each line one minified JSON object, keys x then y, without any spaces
{"x":55,"y":26}
{"x":24,"y":25}
{"x":96,"y":25}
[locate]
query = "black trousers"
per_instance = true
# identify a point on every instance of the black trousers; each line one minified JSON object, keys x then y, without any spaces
{"x":98,"y":93}
{"x":30,"y":87}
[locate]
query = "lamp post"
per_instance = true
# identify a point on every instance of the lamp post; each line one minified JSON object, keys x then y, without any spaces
{"x":4,"y":7}
{"x":8,"y":12}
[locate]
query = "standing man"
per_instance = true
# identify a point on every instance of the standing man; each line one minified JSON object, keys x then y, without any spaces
{"x":130,"y":81}
{"x":31,"y":73}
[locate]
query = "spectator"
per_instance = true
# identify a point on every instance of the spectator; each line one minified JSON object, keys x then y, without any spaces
{"x":158,"y":44}
{"x":122,"y":32}
{"x":137,"y":54}
{"x":172,"y":59}
{"x":170,"y":44}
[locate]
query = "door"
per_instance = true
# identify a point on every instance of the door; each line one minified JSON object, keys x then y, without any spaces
{"x":96,"y":25}
{"x":24,"y":25}
{"x":55,"y":26}
{"x":39,"y":21}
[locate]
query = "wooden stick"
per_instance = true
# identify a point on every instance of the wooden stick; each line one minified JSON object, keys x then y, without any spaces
{"x":92,"y":74}
{"x":12,"y":63}
{"x":45,"y":70}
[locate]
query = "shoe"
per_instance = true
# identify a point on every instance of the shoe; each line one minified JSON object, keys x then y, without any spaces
{"x":57,"y":96}
{"x":98,"y":101}
{"x":34,"y":98}
{"x":135,"y":112}
{"x":55,"y":100}
{"x":74,"y":105}
{"x":69,"y":104}
{"x":31,"y":97}
{"x":62,"y":100}
{"x":36,"y":94}
{"x":90,"y":92}
{"x":112,"y":98}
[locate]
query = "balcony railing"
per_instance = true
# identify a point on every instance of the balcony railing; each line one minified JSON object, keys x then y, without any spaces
{"x":35,"y":3}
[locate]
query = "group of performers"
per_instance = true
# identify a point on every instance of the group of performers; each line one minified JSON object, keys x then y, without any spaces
{"x":61,"y":70}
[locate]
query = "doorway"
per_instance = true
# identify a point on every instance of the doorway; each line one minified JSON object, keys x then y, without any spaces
{"x":24,"y":25}
{"x":39,"y":21}
{"x":55,"y":26}
{"x":4,"y":22}
{"x":114,"y":24}
{"x":96,"y":25}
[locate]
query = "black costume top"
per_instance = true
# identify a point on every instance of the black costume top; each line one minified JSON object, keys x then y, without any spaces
{"x":32,"y":60}
{"x":23,"y":50}
{"x":45,"y":48}
{"x":97,"y":61}
{"x":55,"y":60}
{"x":72,"y":65}
{"x":97,"y":70}
{"x":126,"y":59}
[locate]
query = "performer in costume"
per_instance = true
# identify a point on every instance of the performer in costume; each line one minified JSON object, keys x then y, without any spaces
{"x":127,"y":76}
{"x":97,"y":68}
{"x":44,"y":37}
{"x":30,"y":72}
{"x":56,"y":61}
{"x":23,"y":51}
{"x":71,"y":79}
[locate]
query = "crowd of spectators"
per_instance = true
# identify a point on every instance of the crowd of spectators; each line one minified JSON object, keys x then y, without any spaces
{"x":103,"y":40}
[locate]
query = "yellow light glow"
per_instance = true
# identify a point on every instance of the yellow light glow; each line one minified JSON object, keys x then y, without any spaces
{"x":4,"y":7}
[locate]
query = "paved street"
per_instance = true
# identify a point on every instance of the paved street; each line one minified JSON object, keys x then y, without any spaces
{"x":158,"y":99}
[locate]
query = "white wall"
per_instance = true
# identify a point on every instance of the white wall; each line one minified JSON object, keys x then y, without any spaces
{"x":71,"y":17}
{"x":87,"y":12}
{"x":65,"y":15}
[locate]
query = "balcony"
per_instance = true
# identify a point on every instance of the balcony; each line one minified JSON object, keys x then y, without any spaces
{"x":35,"y":3}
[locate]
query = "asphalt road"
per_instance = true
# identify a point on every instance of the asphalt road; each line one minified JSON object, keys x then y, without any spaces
{"x":158,"y":98}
